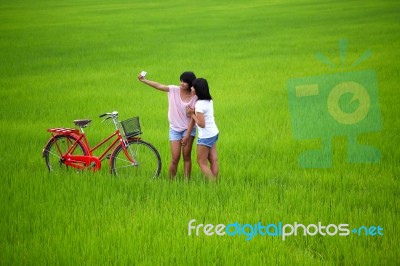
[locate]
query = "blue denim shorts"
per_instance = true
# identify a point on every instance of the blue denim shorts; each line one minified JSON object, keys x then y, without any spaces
{"x":175,"y":135}
{"x":209,"y":142}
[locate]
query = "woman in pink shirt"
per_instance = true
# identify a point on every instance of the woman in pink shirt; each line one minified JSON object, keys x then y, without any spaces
{"x":179,"y":98}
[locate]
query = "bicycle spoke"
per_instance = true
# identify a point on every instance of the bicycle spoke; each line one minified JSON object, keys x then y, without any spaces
{"x":56,"y":148}
{"x":52,"y":153}
{"x":147,"y":162}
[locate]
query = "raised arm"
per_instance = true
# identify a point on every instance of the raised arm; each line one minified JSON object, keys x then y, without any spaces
{"x":153,"y":84}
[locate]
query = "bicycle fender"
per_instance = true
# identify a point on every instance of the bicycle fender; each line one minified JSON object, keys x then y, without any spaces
{"x":75,"y":136}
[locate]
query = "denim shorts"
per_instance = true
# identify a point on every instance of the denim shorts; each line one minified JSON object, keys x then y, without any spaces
{"x":209,"y":142}
{"x":175,"y":135}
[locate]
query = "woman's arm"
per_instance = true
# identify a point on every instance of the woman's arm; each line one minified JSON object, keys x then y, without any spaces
{"x":154,"y":84}
{"x":197,"y":117}
{"x":188,"y":132}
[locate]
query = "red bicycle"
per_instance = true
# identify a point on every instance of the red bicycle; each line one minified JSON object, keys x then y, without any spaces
{"x":128,"y":154}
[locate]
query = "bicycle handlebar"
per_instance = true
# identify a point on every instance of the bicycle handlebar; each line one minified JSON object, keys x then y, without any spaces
{"x":112,"y":114}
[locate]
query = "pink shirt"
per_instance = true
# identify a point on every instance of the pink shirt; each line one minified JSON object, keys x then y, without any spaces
{"x":178,"y":120}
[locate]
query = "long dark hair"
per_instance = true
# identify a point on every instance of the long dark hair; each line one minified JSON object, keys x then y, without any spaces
{"x":201,"y":87}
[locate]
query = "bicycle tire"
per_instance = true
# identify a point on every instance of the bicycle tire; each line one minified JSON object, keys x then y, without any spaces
{"x":54,"y":149}
{"x":148,"y":160}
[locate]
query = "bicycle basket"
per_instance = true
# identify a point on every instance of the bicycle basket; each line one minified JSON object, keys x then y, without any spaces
{"x":131,"y":127}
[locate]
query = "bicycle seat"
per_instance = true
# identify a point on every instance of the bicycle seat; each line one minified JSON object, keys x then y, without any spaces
{"x":82,"y":122}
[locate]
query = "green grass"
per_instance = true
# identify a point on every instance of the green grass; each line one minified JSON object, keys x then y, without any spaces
{"x":66,"y":60}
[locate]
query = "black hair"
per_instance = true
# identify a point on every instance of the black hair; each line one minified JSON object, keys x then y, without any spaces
{"x":201,"y":87}
{"x":188,"y":78}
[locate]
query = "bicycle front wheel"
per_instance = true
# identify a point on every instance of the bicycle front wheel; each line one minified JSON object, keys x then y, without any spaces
{"x":56,"y":148}
{"x":147,"y":160}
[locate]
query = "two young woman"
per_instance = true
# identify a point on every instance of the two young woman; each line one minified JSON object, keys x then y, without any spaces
{"x":186,"y":107}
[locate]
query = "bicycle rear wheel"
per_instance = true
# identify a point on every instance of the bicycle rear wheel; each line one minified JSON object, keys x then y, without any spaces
{"x":146,"y":157}
{"x":56,"y":148}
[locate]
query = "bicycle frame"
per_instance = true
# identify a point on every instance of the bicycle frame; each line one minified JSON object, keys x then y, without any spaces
{"x":84,"y":161}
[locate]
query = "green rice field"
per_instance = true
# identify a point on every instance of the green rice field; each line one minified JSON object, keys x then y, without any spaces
{"x":66,"y":60}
